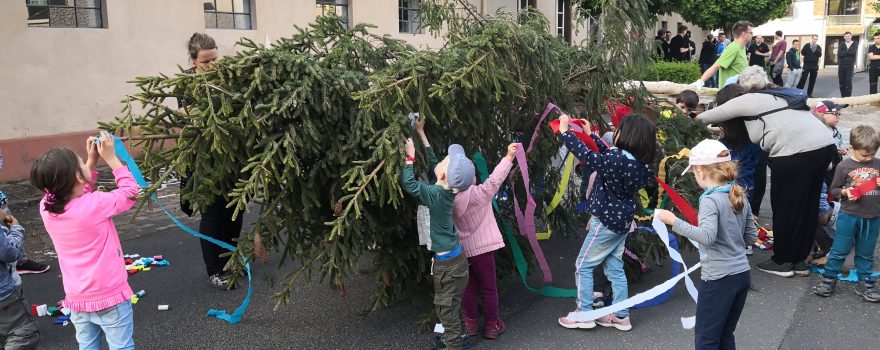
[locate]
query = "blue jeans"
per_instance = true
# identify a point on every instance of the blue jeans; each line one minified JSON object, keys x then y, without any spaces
{"x":718,"y":310}
{"x":713,"y":81}
{"x":116,"y":323}
{"x":601,"y":246}
{"x":853,"y":230}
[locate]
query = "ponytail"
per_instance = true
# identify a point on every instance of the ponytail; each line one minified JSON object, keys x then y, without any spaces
{"x":737,"y":196}
{"x":54,"y":174}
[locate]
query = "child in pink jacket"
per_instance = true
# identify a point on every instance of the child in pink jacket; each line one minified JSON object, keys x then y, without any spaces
{"x":79,"y":221}
{"x":479,"y":236}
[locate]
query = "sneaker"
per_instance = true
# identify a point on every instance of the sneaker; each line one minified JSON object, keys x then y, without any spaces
{"x":220,"y":281}
{"x":826,"y":287}
{"x":441,"y":343}
{"x":611,"y":320}
{"x":749,"y":250}
{"x":472,"y":326}
{"x":771,"y":267}
{"x":801,"y":269}
{"x":27,"y":266}
{"x":494,"y":329}
{"x":866,"y":291}
{"x":598,"y":300}
{"x":572,"y":324}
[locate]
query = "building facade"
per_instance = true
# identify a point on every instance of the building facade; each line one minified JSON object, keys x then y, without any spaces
{"x":66,"y":63}
{"x":829,"y":19}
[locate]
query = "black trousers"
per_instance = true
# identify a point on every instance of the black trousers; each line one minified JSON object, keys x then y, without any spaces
{"x":873,"y":75}
{"x":812,"y":73}
{"x":845,"y":76}
{"x":217,"y":223}
{"x":794,"y":196}
{"x":760,"y":184}
{"x":718,"y":311}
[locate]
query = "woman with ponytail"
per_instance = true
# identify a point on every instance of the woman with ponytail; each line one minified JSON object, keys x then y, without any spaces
{"x":725,"y":228}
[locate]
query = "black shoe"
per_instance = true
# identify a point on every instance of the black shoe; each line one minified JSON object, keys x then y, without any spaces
{"x":771,"y":267}
{"x":867,"y":291}
{"x":826,"y":287}
{"x":801,"y":269}
{"x":27,"y":266}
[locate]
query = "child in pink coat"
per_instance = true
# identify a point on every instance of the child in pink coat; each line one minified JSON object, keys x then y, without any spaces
{"x":479,"y":236}
{"x":79,"y":221}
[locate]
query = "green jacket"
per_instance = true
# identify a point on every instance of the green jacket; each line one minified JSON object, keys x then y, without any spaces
{"x":439,"y":202}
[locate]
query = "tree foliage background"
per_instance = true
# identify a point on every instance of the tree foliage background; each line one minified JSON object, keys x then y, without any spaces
{"x":710,"y":15}
{"x":309,"y":130}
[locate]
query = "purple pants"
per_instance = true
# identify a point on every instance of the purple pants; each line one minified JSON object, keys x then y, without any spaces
{"x":481,"y":283}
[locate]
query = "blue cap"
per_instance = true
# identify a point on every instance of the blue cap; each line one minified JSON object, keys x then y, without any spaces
{"x":460,"y":173}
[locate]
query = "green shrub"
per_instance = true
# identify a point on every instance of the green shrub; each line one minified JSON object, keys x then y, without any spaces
{"x":677,"y":72}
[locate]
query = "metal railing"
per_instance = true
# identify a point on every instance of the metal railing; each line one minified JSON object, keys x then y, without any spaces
{"x":844,"y":19}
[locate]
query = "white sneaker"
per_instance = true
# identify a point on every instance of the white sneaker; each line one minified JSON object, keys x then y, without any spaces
{"x":749,"y":250}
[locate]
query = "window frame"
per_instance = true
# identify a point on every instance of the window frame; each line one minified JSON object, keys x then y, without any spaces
{"x":234,"y":13}
{"x":413,"y":17}
{"x":524,"y":4}
{"x":99,"y":9}
{"x":345,"y":4}
{"x":563,"y":10}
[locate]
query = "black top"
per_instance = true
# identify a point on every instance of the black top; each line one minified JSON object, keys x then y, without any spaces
{"x":847,"y":56}
{"x":679,"y":42}
{"x":667,"y":51}
{"x":758,"y":60}
{"x":875,"y":64}
{"x":811,"y":54}
{"x":707,"y":53}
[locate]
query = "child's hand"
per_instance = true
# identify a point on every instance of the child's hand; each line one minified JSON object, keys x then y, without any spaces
{"x":107,"y":150}
{"x":511,"y":152}
{"x":92,"y":152}
{"x":848,"y":194}
{"x":587,"y":126}
{"x":878,"y":180}
{"x":563,"y":123}
{"x":409,"y":148}
{"x":420,"y":125}
{"x":666,"y":216}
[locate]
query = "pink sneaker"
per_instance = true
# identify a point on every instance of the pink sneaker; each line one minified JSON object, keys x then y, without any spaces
{"x":572,"y":324}
{"x":472,"y":327}
{"x":612,"y":320}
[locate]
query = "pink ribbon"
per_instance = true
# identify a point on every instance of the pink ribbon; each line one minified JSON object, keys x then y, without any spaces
{"x":526,"y":220}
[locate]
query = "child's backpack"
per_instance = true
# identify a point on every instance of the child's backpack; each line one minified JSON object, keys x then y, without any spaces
{"x":796,"y":98}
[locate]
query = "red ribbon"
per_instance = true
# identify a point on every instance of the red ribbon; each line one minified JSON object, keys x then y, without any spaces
{"x":863,"y":189}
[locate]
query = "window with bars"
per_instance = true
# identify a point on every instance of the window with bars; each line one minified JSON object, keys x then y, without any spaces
{"x":408,"y":15}
{"x":563,"y":20}
{"x":331,"y":7}
{"x":228,"y":14}
{"x":65,"y":13}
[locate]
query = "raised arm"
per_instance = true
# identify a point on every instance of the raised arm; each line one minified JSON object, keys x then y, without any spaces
{"x":110,"y":204}
{"x":576,"y":146}
{"x":408,"y":178}
{"x":484,"y":193}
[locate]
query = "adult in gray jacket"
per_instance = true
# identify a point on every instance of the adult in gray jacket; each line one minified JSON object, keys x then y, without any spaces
{"x":800,"y":149}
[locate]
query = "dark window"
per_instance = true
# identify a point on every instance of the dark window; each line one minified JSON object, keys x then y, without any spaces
{"x":408,"y":13}
{"x":521,"y":4}
{"x":844,"y":7}
{"x":563,"y":19}
{"x":337,"y":7}
{"x":664,"y":25}
{"x":65,"y":13}
{"x":228,"y":14}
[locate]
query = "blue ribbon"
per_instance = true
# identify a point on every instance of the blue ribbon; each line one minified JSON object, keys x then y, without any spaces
{"x":676,"y":269}
{"x":233,"y":318}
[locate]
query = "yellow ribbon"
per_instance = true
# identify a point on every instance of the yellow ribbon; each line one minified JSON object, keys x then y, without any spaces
{"x":560,"y":192}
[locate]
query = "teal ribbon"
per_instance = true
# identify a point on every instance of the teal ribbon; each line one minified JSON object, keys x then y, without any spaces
{"x":233,"y":318}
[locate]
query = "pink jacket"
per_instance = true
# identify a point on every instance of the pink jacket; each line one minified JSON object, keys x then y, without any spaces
{"x":473,"y":217}
{"x":88,"y":248}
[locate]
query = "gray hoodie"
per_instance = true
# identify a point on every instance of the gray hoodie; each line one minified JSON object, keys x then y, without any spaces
{"x":783,"y":133}
{"x":722,"y":235}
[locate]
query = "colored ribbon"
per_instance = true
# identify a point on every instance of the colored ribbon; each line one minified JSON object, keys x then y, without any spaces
{"x":526,"y":220}
{"x":560,"y":193}
{"x":863,"y":189}
{"x":519,"y":259}
{"x":126,"y":158}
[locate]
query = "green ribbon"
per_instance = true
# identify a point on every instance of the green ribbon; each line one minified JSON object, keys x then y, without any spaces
{"x":521,"y":265}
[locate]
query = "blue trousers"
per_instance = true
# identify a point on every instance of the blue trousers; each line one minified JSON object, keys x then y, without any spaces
{"x":602,"y":246}
{"x":718,"y":309}
{"x":713,"y":81}
{"x":853,"y":230}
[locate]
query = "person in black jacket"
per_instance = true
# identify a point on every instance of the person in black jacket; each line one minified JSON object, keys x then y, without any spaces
{"x":679,"y":47}
{"x":811,"y":53}
{"x":660,"y":44}
{"x":847,"y":51}
{"x":707,"y":58}
{"x":667,"y":50}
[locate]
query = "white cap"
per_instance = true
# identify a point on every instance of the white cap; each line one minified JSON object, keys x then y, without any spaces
{"x":707,"y":152}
